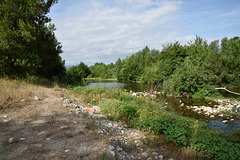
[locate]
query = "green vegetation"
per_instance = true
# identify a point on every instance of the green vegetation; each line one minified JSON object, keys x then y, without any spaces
{"x":147,"y":115}
{"x":75,"y":74}
{"x":195,"y":68}
{"x":28,"y":45}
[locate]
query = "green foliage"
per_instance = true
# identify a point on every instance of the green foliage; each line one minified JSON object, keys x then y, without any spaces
{"x":75,"y":74}
{"x":148,"y":116}
{"x":195,"y":68}
{"x":216,"y":147}
{"x":28,"y":45}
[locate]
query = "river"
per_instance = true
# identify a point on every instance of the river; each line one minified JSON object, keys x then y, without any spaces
{"x":176,"y":105}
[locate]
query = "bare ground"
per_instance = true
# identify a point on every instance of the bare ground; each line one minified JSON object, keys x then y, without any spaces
{"x":54,"y":131}
{"x":50,"y":130}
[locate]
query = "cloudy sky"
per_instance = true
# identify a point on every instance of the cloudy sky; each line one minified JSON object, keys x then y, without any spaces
{"x":104,"y":30}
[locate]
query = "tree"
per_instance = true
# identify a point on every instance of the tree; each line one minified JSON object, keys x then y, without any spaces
{"x":75,"y":74}
{"x":27,"y":44}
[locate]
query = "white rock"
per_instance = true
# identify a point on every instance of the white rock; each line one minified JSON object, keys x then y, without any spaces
{"x":212,"y":116}
{"x":48,"y":139}
{"x":36,"y":98}
{"x":144,"y":154}
{"x":225,"y":121}
{"x":75,"y":122}
{"x":38,"y":145}
{"x":5,"y":116}
{"x":154,"y":153}
{"x":111,"y":147}
{"x":156,"y":157}
{"x":10,"y":140}
{"x":22,"y":139}
{"x":67,"y":150}
{"x":5,"y":120}
{"x":232,"y":120}
{"x":220,"y":115}
{"x":112,"y":153}
{"x":119,"y":149}
{"x":160,"y":157}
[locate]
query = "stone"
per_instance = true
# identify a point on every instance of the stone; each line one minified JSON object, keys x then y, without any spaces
{"x":212,"y":116}
{"x":10,"y":140}
{"x":67,"y":150}
{"x":119,"y":149}
{"x":160,"y":157}
{"x":5,"y":121}
{"x":5,"y":116}
{"x":36,"y":98}
{"x":156,"y":157}
{"x":232,"y":120}
{"x":225,"y":121}
{"x":48,"y":139}
{"x":112,"y":153}
{"x":144,"y":154}
{"x":22,"y":139}
{"x":75,"y":122}
{"x":149,"y":158}
{"x":97,"y":109}
{"x":89,"y":110}
{"x":220,"y":115}
{"x":111,"y":147}
{"x":154,"y":153}
{"x":38,"y":145}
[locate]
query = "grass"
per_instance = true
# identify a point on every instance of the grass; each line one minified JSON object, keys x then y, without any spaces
{"x":14,"y":92}
{"x":147,"y":115}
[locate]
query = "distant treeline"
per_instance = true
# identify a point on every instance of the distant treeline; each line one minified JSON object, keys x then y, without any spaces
{"x":195,"y":68}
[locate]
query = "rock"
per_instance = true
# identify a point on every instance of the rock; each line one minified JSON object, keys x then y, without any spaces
{"x":225,"y":121}
{"x":97,"y":109}
{"x":119,"y":149}
{"x":5,"y":121}
{"x":212,"y":116}
{"x":10,"y":140}
{"x":111,"y":147}
{"x":5,"y":116}
{"x":144,"y":154}
{"x":160,"y":157}
{"x":232,"y":120}
{"x":150,"y":158}
{"x":22,"y":139}
{"x":156,"y":157}
{"x":220,"y":115}
{"x":38,"y":145}
{"x":170,"y":159}
{"x":48,"y":139}
{"x":112,"y":153}
{"x":63,"y":127}
{"x":89,"y":110}
{"x":67,"y":150}
{"x":154,"y":153}
{"x":36,"y":98}
{"x":75,"y":122}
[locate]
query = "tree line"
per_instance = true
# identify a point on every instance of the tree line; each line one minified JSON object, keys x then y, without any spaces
{"x":195,"y":68}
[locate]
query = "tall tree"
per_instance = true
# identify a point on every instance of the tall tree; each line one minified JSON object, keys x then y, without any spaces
{"x":27,"y":44}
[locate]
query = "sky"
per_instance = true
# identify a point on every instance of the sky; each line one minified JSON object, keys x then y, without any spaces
{"x":92,"y":31}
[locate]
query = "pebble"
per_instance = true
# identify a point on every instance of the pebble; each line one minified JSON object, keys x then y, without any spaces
{"x":112,"y":153}
{"x":160,"y":157}
{"x":38,"y":145}
{"x":75,"y":122}
{"x":232,"y":120}
{"x":5,"y":120}
{"x":22,"y":139}
{"x":156,"y":157}
{"x":144,"y":154}
{"x":225,"y":121}
{"x":111,"y":147}
{"x":10,"y":140}
{"x":154,"y":153}
{"x":212,"y":116}
{"x":48,"y":139}
{"x":5,"y":116}
{"x":67,"y":150}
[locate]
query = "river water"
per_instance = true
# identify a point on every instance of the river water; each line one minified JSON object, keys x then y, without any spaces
{"x":174,"y":104}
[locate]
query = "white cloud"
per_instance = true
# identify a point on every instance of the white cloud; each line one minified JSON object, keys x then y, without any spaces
{"x":105,"y":32}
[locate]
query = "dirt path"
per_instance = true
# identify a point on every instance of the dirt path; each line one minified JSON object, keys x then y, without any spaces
{"x":44,"y":129}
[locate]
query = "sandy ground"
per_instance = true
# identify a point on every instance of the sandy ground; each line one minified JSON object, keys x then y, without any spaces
{"x":44,"y":129}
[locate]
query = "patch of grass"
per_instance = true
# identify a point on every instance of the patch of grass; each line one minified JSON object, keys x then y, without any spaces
{"x":14,"y":92}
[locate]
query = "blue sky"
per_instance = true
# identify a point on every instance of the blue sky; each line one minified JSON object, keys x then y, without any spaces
{"x":104,"y":30}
